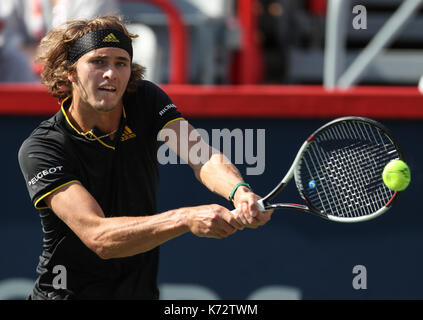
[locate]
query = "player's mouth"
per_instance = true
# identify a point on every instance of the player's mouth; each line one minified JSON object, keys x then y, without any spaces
{"x":107,"y":88}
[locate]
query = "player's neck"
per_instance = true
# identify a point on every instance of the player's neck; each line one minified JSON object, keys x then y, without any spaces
{"x":85,"y":117}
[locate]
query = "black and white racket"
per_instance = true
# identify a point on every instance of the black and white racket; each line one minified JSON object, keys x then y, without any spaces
{"x":338,"y":171}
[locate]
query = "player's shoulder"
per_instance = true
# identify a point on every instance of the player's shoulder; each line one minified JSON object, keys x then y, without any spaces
{"x":145,"y":89}
{"x":148,"y":85}
{"x":47,"y":136}
{"x":143,"y":99}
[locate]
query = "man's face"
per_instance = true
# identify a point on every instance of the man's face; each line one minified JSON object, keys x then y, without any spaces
{"x":101,"y":78}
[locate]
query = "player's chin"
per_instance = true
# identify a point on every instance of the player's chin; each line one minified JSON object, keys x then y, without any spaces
{"x":109,"y":96}
{"x":106,"y":105}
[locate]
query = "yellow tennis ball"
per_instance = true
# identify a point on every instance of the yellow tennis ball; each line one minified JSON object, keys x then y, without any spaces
{"x":396,"y":175}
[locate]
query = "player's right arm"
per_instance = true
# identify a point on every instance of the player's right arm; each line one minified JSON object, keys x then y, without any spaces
{"x":114,"y":237}
{"x":53,"y":182}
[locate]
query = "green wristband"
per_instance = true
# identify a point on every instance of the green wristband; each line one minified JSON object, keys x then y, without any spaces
{"x":231,"y":196}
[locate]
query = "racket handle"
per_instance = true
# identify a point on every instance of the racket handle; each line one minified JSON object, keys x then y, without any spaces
{"x":260,"y":206}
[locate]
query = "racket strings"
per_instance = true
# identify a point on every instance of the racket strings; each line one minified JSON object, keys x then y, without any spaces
{"x":364,"y":180}
{"x":363,"y":192}
{"x":347,"y":161}
{"x":358,"y":196}
{"x":341,"y":198}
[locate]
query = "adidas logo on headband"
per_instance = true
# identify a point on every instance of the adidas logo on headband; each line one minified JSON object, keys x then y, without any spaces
{"x":110,"y":38}
{"x":99,"y":39}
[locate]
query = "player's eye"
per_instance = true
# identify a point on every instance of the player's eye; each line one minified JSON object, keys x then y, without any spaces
{"x":97,"y":61}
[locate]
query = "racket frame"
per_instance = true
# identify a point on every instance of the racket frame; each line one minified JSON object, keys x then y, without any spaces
{"x":264,"y":203}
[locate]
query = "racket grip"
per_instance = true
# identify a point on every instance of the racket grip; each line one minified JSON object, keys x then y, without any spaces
{"x":260,"y":206}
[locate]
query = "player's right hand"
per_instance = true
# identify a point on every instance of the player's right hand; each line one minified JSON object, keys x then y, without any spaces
{"x":211,"y":221}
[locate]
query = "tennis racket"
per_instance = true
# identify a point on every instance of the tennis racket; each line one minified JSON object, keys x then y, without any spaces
{"x":338,"y":171}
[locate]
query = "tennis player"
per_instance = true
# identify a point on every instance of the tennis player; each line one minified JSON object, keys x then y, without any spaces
{"x":92,"y":172}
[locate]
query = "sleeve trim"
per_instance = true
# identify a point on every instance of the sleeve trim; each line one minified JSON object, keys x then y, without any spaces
{"x":169,"y":122}
{"x":50,"y":192}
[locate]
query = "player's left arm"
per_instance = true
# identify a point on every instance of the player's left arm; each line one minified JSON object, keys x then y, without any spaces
{"x":214,"y":170}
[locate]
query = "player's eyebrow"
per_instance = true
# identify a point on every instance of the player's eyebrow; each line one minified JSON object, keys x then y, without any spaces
{"x":123,"y":59}
{"x":105,"y":56}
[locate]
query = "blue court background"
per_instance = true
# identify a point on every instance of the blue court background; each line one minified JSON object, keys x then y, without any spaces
{"x":311,"y":255}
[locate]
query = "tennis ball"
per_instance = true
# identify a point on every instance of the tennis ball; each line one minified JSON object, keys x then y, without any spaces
{"x":396,"y":175}
{"x":312,"y":184}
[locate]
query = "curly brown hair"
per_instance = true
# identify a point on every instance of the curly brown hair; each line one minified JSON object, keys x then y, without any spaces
{"x":54,"y":48}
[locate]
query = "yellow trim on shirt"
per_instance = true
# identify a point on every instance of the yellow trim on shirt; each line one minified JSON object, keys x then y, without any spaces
{"x":89,"y":132}
{"x":50,"y":192}
{"x":66,"y":116}
{"x":124,"y":112}
{"x":169,"y":122}
{"x":101,"y":141}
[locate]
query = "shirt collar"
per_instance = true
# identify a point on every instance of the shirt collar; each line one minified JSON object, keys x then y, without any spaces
{"x":94,"y":133}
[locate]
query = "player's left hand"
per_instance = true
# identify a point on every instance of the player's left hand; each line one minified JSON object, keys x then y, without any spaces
{"x":247,"y":212}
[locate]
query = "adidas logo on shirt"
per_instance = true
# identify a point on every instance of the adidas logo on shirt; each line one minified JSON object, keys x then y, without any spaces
{"x":127,"y":134}
{"x":110,"y":38}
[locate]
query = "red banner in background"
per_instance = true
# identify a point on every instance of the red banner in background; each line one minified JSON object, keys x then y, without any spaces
{"x":249,"y":101}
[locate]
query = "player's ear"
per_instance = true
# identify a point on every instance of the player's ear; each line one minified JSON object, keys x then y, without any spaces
{"x":72,"y":76}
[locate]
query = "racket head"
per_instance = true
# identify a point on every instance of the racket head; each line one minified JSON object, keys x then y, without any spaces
{"x":339,"y":170}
